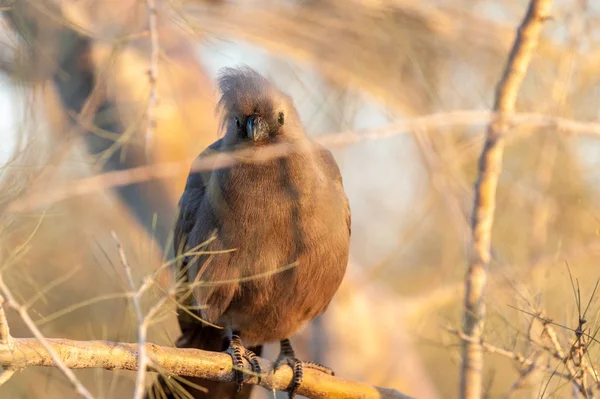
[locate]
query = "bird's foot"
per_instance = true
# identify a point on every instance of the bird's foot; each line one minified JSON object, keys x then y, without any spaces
{"x":238,"y":353}
{"x":287,"y":356}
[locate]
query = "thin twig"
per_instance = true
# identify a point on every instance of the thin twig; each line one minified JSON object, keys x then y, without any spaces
{"x":152,"y":76}
{"x":5,"y":376}
{"x":490,"y":164}
{"x":524,"y":374}
{"x":5,"y":338}
{"x":43,"y":344}
{"x":520,"y":358}
{"x":558,"y":352}
{"x":143,"y":359}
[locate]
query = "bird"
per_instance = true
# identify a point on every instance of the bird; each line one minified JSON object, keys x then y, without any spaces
{"x":263,"y":241}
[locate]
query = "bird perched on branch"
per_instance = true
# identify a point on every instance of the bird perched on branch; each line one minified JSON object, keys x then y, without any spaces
{"x":264,"y":240}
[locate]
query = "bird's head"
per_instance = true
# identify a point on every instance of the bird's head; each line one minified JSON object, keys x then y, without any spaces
{"x":254,"y":111}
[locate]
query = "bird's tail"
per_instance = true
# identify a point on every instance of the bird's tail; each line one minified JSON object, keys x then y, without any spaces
{"x":199,"y":336}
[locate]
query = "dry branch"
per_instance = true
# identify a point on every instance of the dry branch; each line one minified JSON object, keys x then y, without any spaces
{"x":184,"y":362}
{"x":518,"y":357}
{"x":44,"y":348}
{"x":5,"y":338}
{"x":490,"y":165}
{"x":70,"y":56}
{"x":558,"y":353}
{"x":152,"y":76}
{"x":142,"y":320}
{"x":46,"y":196}
{"x":352,"y":52}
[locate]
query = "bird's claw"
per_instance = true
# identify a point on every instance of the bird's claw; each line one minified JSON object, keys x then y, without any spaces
{"x":287,"y":355}
{"x":297,"y":367}
{"x":320,"y":367}
{"x":238,"y":353}
{"x":297,"y":372}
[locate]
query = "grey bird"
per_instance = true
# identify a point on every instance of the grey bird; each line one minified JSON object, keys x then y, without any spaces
{"x":271,"y":235}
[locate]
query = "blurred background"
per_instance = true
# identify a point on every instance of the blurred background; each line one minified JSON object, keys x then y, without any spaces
{"x":74,"y":93}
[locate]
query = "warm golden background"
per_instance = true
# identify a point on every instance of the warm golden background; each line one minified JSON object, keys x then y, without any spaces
{"x":350,"y":65}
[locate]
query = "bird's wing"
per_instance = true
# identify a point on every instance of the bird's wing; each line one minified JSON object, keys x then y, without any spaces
{"x":195,"y":334}
{"x":190,"y":201}
{"x":189,"y":204}
{"x":189,"y":233}
{"x":332,"y":169}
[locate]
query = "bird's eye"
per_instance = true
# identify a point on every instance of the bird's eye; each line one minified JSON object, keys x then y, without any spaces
{"x":281,"y":118}
{"x":237,"y":122}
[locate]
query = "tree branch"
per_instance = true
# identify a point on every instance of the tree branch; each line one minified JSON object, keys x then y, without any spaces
{"x":47,"y":196}
{"x":215,"y":366}
{"x":517,"y":356}
{"x":142,"y":320}
{"x":490,"y":165}
{"x":64,"y":54}
{"x":5,"y":338}
{"x":44,"y":348}
{"x":152,"y":76}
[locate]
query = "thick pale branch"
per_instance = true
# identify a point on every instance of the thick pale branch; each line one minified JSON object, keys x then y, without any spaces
{"x":490,"y":166}
{"x":215,"y":366}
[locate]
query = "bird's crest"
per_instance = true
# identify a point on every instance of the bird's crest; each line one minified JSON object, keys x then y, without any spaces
{"x":243,"y":90}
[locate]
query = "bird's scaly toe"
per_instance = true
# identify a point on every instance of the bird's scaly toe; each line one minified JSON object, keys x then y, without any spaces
{"x":297,"y":374}
{"x":320,"y":367}
{"x":237,"y":351}
{"x":254,"y":364}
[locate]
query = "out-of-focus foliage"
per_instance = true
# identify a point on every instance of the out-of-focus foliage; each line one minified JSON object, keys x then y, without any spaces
{"x":348,"y":64}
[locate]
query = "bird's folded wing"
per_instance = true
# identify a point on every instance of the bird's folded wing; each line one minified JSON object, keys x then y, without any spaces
{"x":332,"y":169}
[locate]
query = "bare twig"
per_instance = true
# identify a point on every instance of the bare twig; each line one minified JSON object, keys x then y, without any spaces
{"x":43,"y":345}
{"x":519,"y":357}
{"x":46,"y":196}
{"x":541,"y":212}
{"x":524,"y":374}
{"x":214,"y":366}
{"x":5,"y":338}
{"x":143,"y":359}
{"x":450,"y":27}
{"x":558,"y":352}
{"x":575,"y":359}
{"x":490,"y":164}
{"x":5,"y":376}
{"x":152,"y":76}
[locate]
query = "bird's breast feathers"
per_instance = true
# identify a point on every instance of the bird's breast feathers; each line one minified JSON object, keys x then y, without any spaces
{"x":287,"y":206}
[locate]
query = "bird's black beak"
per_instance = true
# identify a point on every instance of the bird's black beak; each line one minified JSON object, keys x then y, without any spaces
{"x":257,"y":128}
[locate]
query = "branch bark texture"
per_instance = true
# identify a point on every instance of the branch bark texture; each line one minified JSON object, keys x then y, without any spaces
{"x":490,"y":166}
{"x":27,"y":352}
